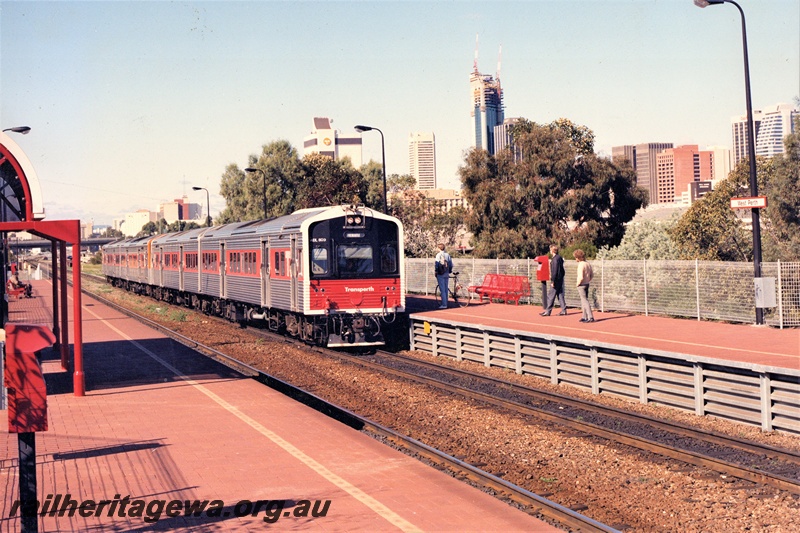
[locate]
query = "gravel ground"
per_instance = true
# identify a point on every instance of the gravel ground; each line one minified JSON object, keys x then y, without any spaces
{"x":611,"y":483}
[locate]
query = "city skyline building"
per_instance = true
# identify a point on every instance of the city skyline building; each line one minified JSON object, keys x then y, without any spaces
{"x":422,"y":159}
{"x":776,"y":123}
{"x":722,"y":164}
{"x":487,"y":107}
{"x":503,"y":138}
{"x":326,"y":140}
{"x":677,"y":168}
{"x":771,"y":125}
{"x":646,"y":167}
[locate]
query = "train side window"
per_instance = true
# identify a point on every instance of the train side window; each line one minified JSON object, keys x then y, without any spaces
{"x":319,"y":260}
{"x":354,"y":259}
{"x":389,"y":259}
{"x":279,"y":263}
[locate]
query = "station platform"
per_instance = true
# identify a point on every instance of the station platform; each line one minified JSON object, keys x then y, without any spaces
{"x":160,"y":423}
{"x":741,"y":343}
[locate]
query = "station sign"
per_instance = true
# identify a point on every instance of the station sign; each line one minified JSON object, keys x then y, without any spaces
{"x":750,"y":202}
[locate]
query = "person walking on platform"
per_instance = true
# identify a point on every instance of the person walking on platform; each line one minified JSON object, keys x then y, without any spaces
{"x":556,"y":283}
{"x":443,"y":266}
{"x":585,"y":275}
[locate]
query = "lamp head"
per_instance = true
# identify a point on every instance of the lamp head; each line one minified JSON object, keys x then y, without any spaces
{"x":19,"y":129}
{"x":706,"y":3}
{"x":251,"y":169}
{"x":362,"y":129}
{"x":197,"y":188}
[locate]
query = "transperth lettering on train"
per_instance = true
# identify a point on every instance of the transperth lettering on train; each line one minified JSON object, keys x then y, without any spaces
{"x":359,"y":289}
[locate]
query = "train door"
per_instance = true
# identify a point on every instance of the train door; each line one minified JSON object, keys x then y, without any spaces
{"x":265,"y":274}
{"x":181,"y":264}
{"x":294,"y":270}
{"x":155,"y":266}
{"x":223,"y":289}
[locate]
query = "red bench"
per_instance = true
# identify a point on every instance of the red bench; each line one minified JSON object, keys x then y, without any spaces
{"x":488,"y":288}
{"x":503,"y":287}
{"x":18,"y":292}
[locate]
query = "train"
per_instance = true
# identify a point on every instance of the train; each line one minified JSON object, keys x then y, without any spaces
{"x":331,"y":276}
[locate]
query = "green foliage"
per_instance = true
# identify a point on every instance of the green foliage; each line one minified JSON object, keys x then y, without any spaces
{"x":328,"y":182}
{"x":424,"y":221}
{"x":710,"y":229}
{"x":549,"y":188}
{"x":112,"y":233}
{"x":646,"y":240}
{"x":588,"y":248}
{"x":781,"y":229}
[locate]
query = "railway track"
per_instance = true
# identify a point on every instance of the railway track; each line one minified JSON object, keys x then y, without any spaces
{"x":783,"y":464}
{"x":519,"y":496}
{"x":720,"y":453}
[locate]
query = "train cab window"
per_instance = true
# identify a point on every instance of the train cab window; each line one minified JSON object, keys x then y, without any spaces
{"x":319,"y":260}
{"x":389,"y":258}
{"x":354,"y":259}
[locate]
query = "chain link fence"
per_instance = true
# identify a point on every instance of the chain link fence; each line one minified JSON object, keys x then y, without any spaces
{"x":711,"y":290}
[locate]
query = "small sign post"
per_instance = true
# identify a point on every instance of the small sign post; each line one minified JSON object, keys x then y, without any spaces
{"x":749,"y":202}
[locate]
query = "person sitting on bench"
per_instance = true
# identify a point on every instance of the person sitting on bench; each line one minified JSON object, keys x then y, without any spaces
{"x":15,"y":283}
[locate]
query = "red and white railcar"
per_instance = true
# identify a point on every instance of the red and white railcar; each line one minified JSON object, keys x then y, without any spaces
{"x":331,"y":275}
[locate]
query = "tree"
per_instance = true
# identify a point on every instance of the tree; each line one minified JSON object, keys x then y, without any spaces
{"x":232,"y":187}
{"x":328,"y":182}
{"x":148,"y":229}
{"x":425,"y":220}
{"x":647,"y":240}
{"x":710,"y":230}
{"x":781,"y":236}
{"x":373,"y":174}
{"x":112,"y":233}
{"x":549,"y":187}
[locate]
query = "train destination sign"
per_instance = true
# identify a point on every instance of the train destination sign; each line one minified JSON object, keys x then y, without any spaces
{"x":750,"y":202}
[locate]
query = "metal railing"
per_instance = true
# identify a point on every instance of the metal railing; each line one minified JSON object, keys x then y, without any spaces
{"x":712,"y":290}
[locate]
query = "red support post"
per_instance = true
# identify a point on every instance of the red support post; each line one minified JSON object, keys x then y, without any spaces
{"x":78,"y":379}
{"x":62,"y":258}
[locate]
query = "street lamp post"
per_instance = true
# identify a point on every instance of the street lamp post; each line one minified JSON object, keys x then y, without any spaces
{"x":361,"y":129}
{"x":264,"y":176}
{"x":751,"y":152}
{"x":208,"y":204}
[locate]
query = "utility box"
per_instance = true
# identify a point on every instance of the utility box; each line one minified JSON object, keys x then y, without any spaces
{"x":765,"y":293}
{"x":23,"y":378}
{"x":543,"y":268}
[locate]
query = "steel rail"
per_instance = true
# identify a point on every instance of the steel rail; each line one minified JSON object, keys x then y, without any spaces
{"x":686,"y":456}
{"x":667,"y":425}
{"x":534,"y":503}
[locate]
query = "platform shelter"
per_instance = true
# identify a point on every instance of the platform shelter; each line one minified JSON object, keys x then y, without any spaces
{"x":21,"y":209}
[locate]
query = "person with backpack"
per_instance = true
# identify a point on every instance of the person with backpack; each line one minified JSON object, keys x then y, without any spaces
{"x":443,"y":266}
{"x":585,"y":276}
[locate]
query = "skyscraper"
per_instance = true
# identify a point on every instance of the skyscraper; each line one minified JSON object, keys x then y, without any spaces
{"x":503,"y":138}
{"x":646,"y":168}
{"x":677,"y":168}
{"x":739,"y":135}
{"x":776,"y":123}
{"x":422,"y":159}
{"x":771,"y":126}
{"x":487,"y":108}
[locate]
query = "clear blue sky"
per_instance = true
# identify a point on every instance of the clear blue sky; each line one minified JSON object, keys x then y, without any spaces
{"x":133,"y":103}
